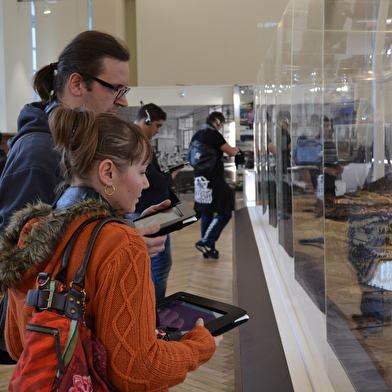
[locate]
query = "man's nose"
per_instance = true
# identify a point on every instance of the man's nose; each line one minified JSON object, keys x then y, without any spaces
{"x":122,"y":101}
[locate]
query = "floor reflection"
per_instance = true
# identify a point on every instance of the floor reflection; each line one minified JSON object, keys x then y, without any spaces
{"x":309,"y":248}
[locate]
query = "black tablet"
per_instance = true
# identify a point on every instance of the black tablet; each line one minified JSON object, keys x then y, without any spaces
{"x":175,"y":167}
{"x":171,"y":219}
{"x":178,"y":314}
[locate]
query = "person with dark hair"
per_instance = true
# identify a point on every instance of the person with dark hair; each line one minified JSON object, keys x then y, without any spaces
{"x":75,"y":80}
{"x":214,"y":200}
{"x":104,"y":160}
{"x":150,"y":119}
{"x":150,"y":114}
{"x":91,"y":72}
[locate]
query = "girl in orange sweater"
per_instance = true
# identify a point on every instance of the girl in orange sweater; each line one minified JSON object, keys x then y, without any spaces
{"x":104,"y":160}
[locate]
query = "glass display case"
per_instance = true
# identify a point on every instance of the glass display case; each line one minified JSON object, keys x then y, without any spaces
{"x":323,"y":157}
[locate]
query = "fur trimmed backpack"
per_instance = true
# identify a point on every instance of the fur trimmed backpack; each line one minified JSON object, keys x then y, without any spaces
{"x":61,"y":353}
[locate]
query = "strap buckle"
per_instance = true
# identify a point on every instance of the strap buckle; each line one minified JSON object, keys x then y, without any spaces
{"x":43,"y":283}
{"x":49,"y":294}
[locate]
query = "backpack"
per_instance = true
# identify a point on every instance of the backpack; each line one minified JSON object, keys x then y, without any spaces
{"x":308,"y":152}
{"x":61,"y":354}
{"x":201,"y":157}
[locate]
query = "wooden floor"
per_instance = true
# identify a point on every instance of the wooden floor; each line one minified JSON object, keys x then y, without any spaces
{"x":210,"y":278}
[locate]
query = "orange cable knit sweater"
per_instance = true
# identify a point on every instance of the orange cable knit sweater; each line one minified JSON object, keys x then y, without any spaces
{"x":120,"y":311}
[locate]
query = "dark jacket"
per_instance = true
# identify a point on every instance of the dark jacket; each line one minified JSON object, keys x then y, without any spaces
{"x":32,"y":169}
{"x":210,"y":136}
{"x":212,"y":193}
{"x":3,"y":159}
{"x":159,"y":189}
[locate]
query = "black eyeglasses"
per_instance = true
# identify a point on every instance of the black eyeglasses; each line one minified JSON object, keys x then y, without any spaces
{"x":120,"y":91}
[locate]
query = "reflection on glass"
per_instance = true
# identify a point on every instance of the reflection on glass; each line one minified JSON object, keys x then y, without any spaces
{"x":330,"y":68}
{"x":382,"y":275}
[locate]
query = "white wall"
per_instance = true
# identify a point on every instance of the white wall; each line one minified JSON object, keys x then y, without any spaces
{"x":199,"y":42}
{"x":53,"y":32}
{"x":15,"y":61}
{"x":182,"y":95}
{"x":203,"y":42}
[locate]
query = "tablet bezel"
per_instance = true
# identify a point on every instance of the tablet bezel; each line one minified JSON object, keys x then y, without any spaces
{"x":218,"y":326}
{"x":177,"y":166}
{"x":185,"y":212}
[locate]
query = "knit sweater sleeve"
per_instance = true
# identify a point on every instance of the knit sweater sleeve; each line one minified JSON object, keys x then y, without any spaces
{"x":122,"y":312}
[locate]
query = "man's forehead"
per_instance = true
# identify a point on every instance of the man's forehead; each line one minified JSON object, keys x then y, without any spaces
{"x":112,"y":66}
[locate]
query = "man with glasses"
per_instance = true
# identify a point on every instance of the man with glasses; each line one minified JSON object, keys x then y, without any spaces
{"x":92,"y":72}
{"x":117,"y":94}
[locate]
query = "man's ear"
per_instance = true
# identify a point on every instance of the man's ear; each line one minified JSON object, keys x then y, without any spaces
{"x":75,"y":84}
{"x":105,"y":172}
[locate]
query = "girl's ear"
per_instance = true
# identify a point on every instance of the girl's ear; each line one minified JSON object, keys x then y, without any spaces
{"x":105,"y":172}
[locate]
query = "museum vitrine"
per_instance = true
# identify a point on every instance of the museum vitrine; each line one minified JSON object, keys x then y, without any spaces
{"x":323,"y":137}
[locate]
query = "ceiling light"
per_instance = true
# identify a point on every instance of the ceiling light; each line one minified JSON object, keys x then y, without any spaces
{"x":47,"y":10}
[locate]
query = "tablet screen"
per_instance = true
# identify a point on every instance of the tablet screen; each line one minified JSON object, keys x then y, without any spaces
{"x":182,"y":316}
{"x":158,"y":219}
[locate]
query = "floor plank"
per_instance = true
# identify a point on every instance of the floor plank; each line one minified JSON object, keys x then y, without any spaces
{"x":209,"y":278}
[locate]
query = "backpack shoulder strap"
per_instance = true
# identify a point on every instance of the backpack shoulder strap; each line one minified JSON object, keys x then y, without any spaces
{"x":61,"y":275}
{"x":79,"y":276}
{"x":70,"y":302}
